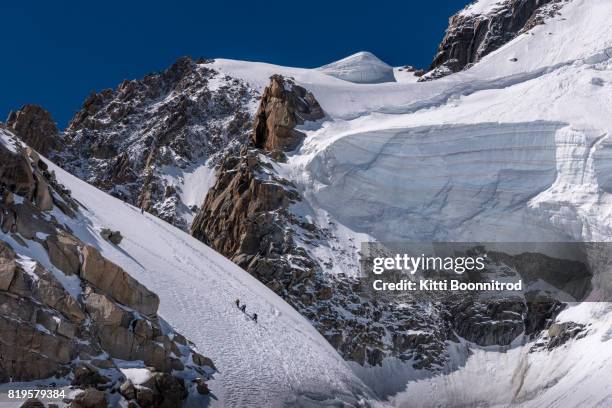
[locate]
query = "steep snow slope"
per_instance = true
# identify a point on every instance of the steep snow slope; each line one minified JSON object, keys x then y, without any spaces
{"x":282,"y":359}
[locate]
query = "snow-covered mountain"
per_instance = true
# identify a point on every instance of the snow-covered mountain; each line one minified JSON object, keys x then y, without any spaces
{"x":285,"y":171}
{"x":361,"y":68}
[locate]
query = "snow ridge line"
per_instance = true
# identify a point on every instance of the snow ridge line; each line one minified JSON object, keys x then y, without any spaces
{"x":470,"y":87}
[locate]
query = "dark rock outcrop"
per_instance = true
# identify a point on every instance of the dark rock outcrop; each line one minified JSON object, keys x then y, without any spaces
{"x":242,"y":214}
{"x":469,"y":37}
{"x":113,"y":237}
{"x":494,"y":322}
{"x":283,"y":106}
{"x":35,"y":127}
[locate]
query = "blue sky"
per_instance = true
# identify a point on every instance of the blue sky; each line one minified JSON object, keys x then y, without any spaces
{"x":55,"y":53}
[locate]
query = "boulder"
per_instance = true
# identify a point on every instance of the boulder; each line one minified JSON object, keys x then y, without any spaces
{"x":43,"y":197}
{"x":50,"y":292}
{"x":87,"y":375}
{"x":128,"y":390}
{"x":104,"y":311}
{"x":202,"y":361}
{"x":201,"y":386}
{"x":119,"y":342}
{"x":114,"y":281}
{"x":113,"y":237}
{"x":561,"y":333}
{"x":171,"y":388}
{"x":145,"y":397}
{"x":30,"y":354}
{"x":63,"y":250}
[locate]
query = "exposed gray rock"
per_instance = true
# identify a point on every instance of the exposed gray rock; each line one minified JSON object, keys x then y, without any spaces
{"x":561,"y":333}
{"x":63,"y":251}
{"x":114,"y":281}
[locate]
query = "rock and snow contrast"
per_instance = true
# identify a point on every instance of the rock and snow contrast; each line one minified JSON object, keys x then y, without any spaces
{"x":280,"y":173}
{"x":75,"y":297}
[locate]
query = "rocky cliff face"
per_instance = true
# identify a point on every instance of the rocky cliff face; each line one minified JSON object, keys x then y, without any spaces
{"x":75,"y":318}
{"x":472,"y":35}
{"x":35,"y":127}
{"x":137,"y":141}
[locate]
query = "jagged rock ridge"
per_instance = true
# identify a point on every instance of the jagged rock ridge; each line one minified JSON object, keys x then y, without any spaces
{"x":126,"y":141}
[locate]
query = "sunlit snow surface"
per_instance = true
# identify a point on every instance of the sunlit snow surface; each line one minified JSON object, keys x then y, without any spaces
{"x":481,"y":7}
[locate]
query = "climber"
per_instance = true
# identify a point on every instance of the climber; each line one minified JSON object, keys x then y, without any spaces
{"x":255,"y":317}
{"x":243,"y":308}
{"x":238,"y":303}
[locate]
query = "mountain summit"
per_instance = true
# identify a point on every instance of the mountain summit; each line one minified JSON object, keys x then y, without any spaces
{"x":360,"y":68}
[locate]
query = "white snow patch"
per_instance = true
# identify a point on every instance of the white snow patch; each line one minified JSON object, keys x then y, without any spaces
{"x":481,"y":7}
{"x":136,"y":375}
